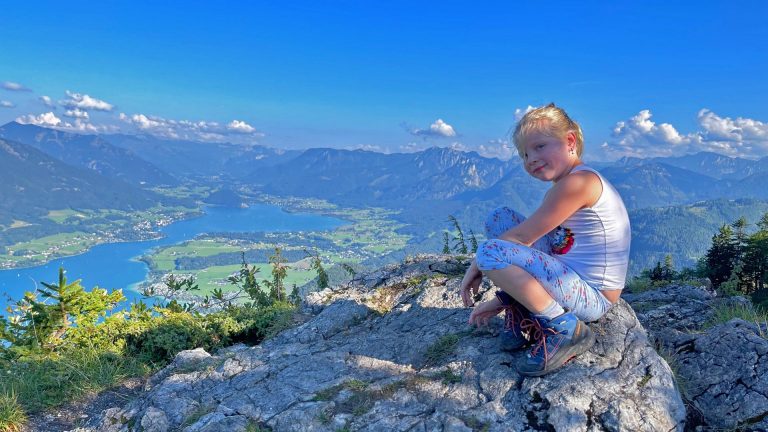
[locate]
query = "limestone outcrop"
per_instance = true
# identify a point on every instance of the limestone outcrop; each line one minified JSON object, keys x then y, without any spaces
{"x":392,"y":351}
{"x":723,"y":371}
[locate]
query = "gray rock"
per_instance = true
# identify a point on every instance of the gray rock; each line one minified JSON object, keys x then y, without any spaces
{"x":370,"y":361}
{"x":154,"y":420}
{"x":721,"y":371}
{"x":724,"y":374}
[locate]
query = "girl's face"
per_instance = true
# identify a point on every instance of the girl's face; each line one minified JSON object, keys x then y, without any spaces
{"x":549,"y":158}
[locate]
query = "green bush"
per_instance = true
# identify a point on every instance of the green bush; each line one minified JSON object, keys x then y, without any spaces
{"x":259,"y":324}
{"x":160,"y":338}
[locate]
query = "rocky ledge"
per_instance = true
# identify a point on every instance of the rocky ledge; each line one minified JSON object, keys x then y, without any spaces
{"x":723,"y":371}
{"x":392,"y":351}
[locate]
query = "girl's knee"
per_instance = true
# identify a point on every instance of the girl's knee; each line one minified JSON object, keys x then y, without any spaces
{"x":494,"y":254}
{"x":488,"y":254}
{"x":500,"y":220}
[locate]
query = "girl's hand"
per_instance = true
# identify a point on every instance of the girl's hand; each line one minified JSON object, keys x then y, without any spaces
{"x":484,"y":311}
{"x":470,"y":285}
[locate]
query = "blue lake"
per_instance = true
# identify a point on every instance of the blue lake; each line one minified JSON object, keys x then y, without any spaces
{"x":115,"y":265}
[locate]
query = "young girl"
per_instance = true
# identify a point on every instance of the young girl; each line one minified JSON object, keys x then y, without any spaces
{"x":564,"y":265}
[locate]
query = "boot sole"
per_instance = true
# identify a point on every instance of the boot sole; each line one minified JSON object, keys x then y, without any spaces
{"x":513,"y":348}
{"x":574,"y":350}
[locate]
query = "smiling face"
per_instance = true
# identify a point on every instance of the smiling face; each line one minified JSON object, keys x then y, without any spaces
{"x":549,"y":157}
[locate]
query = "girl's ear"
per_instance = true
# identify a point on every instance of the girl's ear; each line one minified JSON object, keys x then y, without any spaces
{"x":570,"y":137}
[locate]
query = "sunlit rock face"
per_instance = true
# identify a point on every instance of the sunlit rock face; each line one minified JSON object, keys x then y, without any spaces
{"x":392,"y":351}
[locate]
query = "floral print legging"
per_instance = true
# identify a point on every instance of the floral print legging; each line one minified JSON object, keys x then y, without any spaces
{"x":560,"y":281}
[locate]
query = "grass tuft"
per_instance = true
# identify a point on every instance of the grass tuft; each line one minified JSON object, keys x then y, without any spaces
{"x":442,"y":348}
{"x":448,"y":377}
{"x":47,"y":382}
{"x":670,"y":357}
{"x":747,"y":312}
{"x":12,"y":416}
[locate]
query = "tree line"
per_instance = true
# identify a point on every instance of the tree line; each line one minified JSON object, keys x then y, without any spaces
{"x":737,"y":262}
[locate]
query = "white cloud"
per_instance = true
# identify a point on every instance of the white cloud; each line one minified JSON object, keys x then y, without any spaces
{"x":13,"y":86}
{"x":439,"y":129}
{"x":368,"y":147}
{"x":6,"y":104}
{"x":47,"y":101}
{"x":47,"y":119}
{"x":641,"y":137}
{"x":497,"y":148}
{"x":82,"y":125}
{"x":240,"y":126}
{"x":235,"y":131}
{"x":520,"y":112}
{"x":76,"y":113}
{"x":83,"y":101}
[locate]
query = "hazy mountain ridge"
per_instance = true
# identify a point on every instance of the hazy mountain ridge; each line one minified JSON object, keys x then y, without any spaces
{"x":92,"y":152}
{"x":362,"y":177}
{"x":34,"y":182}
{"x":202,"y":160}
{"x":707,"y":163}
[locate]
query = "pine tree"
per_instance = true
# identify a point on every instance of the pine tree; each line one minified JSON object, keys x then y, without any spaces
{"x":756,"y":258}
{"x":295,"y":296}
{"x":317,"y":264}
{"x":721,"y":256}
{"x":446,"y":244}
{"x":34,"y":324}
{"x":740,"y":234}
{"x":669,"y":272}
{"x":460,"y":246}
{"x":472,"y":240}
{"x":246,"y":282}
{"x":279,"y":272}
{"x":657,"y":273}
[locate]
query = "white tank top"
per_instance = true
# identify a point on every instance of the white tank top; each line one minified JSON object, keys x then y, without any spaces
{"x":599,"y":250}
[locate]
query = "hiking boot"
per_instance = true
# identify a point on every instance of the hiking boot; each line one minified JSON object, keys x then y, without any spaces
{"x":556,"y":341}
{"x":512,"y":336}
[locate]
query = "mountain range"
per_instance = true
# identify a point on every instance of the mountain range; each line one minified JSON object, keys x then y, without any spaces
{"x":46,"y":169}
{"x":357,"y":177}
{"x":34,"y":182}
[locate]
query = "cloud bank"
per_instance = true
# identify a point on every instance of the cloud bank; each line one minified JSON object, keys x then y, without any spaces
{"x":49,"y":120}
{"x":497,"y":148}
{"x":234,"y":131}
{"x":640,"y":136}
{"x":6,"y":104}
{"x":76,"y":113}
{"x":85,"y":102}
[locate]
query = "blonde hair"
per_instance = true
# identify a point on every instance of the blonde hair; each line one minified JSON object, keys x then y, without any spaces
{"x":549,"y":120}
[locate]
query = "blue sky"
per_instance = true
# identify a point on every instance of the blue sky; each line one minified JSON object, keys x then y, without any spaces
{"x":645,"y":79}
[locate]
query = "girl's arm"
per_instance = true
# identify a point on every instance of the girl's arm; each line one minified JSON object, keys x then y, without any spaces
{"x":572,"y":193}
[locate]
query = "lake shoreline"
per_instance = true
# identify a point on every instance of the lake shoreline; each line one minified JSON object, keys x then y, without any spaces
{"x":118,"y":265}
